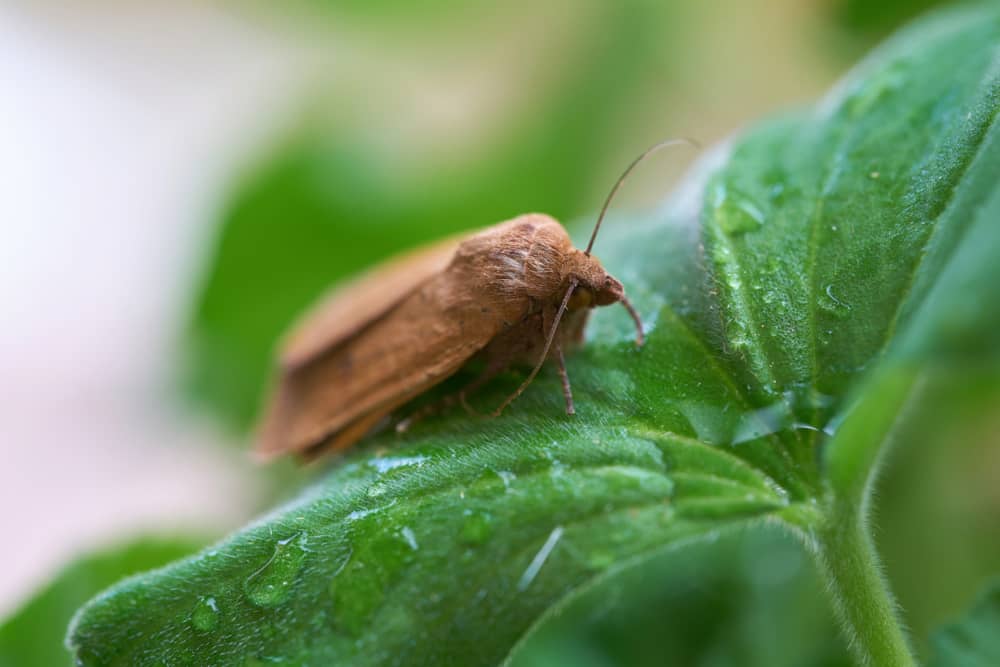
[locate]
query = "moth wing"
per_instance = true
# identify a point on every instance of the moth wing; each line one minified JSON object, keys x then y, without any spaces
{"x":351,"y":306}
{"x":422,"y":339}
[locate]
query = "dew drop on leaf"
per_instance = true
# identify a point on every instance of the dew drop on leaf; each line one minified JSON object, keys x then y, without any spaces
{"x":875,"y":89}
{"x":507,"y":477}
{"x":271,"y":584}
{"x":831,"y":303}
{"x":735,"y":212}
{"x":410,"y":537}
{"x":340,"y":563}
{"x":477,"y":527}
{"x":86,"y":658}
{"x":375,"y":490}
{"x":381,"y":551}
{"x":384,"y":464}
{"x":205,"y":615}
{"x":763,"y":422}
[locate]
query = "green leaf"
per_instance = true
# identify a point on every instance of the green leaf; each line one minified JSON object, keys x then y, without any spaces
{"x":973,"y":640}
{"x":34,"y":634}
{"x":796,"y":294}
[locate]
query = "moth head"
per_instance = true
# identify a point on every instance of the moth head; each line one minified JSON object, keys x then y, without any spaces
{"x":595,"y":286}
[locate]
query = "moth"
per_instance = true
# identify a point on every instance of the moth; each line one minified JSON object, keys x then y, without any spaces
{"x":516,"y":293}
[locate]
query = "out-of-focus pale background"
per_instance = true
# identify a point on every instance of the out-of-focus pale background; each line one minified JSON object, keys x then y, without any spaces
{"x":127,"y":127}
{"x":120,"y":126}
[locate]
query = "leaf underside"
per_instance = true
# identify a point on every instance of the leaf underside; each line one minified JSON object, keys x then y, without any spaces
{"x":823,"y":249}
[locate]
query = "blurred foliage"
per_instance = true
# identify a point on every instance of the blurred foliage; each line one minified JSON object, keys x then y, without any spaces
{"x":322,"y":208}
{"x":869,"y":20}
{"x":33,"y":636}
{"x":973,"y":640}
{"x":938,"y":506}
{"x":780,"y":355}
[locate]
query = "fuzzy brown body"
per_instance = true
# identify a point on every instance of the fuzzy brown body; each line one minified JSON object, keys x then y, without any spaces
{"x":379,"y":342}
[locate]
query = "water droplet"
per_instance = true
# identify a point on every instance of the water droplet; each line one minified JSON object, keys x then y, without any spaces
{"x":833,"y":304}
{"x":377,"y":489}
{"x":381,"y":549}
{"x":735,"y":212}
{"x":507,"y":477}
{"x":831,"y":426}
{"x":206,"y":614}
{"x":384,"y":464}
{"x":776,"y":193}
{"x":706,"y":420}
{"x":477,"y":527}
{"x":357,"y":515}
{"x":646,"y":482}
{"x":556,"y":468}
{"x":759,"y":423}
{"x":875,"y":88}
{"x":409,"y":537}
{"x":271,"y":584}
{"x":86,"y":657}
{"x":340,"y":563}
{"x":739,"y":343}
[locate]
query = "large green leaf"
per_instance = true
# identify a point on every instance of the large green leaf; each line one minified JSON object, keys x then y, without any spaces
{"x":795,"y":294}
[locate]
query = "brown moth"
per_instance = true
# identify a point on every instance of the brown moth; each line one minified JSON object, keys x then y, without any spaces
{"x":514,"y":293}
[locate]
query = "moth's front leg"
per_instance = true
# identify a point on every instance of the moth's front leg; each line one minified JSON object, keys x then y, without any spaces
{"x":564,"y":376}
{"x":566,"y":326}
{"x":640,"y":338}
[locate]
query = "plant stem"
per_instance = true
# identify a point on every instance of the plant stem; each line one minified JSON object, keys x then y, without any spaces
{"x":860,"y":593}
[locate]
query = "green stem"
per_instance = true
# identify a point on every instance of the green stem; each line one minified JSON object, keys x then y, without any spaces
{"x":860,"y":593}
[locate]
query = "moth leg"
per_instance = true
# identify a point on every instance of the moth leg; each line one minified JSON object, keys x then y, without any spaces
{"x":640,"y":339}
{"x":564,"y":376}
{"x":493,"y":367}
{"x":496,"y":364}
{"x":549,"y":332}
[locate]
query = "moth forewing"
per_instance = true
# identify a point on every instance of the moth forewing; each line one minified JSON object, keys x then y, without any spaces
{"x":349,"y":308}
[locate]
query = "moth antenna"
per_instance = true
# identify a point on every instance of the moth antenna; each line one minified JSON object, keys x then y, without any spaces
{"x":545,"y":351}
{"x":628,"y":170}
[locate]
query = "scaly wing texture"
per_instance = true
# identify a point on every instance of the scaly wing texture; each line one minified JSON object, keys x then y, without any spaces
{"x":350,"y":307}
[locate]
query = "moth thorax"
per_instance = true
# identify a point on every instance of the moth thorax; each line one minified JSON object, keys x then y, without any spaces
{"x":543,"y":266}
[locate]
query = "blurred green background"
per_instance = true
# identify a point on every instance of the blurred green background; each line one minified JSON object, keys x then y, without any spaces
{"x":413,"y":120}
